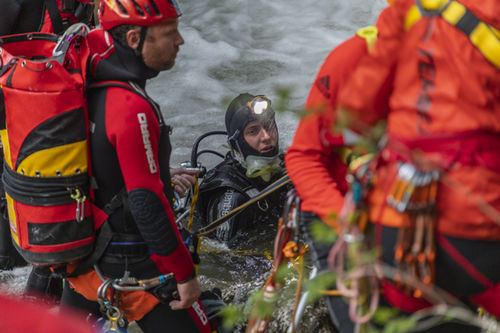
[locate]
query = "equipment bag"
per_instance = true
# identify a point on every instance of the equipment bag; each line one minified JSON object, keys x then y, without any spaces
{"x":44,"y":131}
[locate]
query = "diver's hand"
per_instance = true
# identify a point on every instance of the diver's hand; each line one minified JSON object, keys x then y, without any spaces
{"x":188,"y":294}
{"x":183,"y":179}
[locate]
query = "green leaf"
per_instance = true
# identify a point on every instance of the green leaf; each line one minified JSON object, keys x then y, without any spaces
{"x":231,"y":316}
{"x":383,"y":314}
{"x":323,"y":281}
{"x":285,"y":272}
{"x":262,"y":307}
{"x":322,"y":233}
{"x":284,"y":95}
{"x":370,"y":256}
{"x":400,"y":325}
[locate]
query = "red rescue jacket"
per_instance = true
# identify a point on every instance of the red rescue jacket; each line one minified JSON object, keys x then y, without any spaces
{"x":443,"y":86}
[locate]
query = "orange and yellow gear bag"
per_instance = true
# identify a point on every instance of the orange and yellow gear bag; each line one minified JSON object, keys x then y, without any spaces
{"x":44,"y":131}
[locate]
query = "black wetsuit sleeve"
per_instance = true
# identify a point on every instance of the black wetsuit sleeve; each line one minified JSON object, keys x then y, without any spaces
{"x":222,"y":203}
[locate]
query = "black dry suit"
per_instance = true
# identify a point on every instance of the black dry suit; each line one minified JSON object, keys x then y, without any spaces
{"x":122,"y":141}
{"x":130,"y":152}
{"x":226,"y":187}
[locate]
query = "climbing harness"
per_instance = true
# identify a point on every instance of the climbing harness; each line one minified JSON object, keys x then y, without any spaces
{"x":412,"y":194}
{"x":163,"y":287}
{"x":115,"y":320}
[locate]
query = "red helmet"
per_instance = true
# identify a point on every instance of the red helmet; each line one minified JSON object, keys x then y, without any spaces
{"x":113,"y":13}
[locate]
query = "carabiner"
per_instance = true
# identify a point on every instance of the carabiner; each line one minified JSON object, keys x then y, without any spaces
{"x":80,"y":198}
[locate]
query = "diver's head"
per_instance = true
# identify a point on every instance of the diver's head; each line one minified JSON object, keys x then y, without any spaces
{"x":251,"y":127}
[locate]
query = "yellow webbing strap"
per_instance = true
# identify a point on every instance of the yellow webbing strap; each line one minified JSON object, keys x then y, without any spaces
{"x":193,"y":205}
{"x":6,"y":147}
{"x":353,"y":160}
{"x":369,"y":34}
{"x":412,"y":16}
{"x":344,"y":154}
{"x":483,"y":36}
{"x":454,"y":12}
{"x":358,"y":161}
{"x":487,"y":41}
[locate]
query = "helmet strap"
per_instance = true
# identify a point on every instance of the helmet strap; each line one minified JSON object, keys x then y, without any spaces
{"x":142,"y":38}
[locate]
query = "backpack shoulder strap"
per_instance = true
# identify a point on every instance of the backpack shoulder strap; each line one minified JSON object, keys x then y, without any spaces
{"x":55,"y":15}
{"x":133,"y":87}
{"x":483,"y":36}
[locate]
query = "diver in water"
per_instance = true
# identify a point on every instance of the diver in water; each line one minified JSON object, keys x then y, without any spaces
{"x":253,"y":163}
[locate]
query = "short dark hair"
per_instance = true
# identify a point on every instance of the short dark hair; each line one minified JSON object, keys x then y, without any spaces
{"x":119,"y":33}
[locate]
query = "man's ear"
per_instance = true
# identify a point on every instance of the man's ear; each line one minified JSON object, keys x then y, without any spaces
{"x":133,"y":37}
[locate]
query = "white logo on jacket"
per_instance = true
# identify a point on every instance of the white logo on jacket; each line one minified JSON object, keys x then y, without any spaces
{"x":201,"y":314}
{"x":143,"y":122}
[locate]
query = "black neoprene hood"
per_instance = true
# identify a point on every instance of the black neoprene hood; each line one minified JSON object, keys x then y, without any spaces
{"x":238,"y":115}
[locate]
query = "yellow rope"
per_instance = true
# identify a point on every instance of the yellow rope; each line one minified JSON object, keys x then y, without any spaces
{"x":331,"y":293}
{"x":266,"y":254}
{"x":245,"y":205}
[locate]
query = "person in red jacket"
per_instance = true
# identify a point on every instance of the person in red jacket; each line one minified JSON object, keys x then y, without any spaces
{"x":130,"y":150}
{"x":314,"y":159}
{"x":444,"y":118}
{"x":22,"y":316}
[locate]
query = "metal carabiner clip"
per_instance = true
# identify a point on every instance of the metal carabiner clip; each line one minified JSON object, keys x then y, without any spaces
{"x":80,"y":198}
{"x":102,"y":298}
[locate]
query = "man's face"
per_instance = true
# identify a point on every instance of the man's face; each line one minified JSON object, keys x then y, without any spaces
{"x":161,"y":45}
{"x":261,"y":135}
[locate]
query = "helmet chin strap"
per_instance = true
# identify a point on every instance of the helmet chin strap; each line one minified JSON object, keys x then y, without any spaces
{"x":142,"y":38}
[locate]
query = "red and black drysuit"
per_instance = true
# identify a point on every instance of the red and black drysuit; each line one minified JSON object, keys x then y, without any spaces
{"x":130,"y":152}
